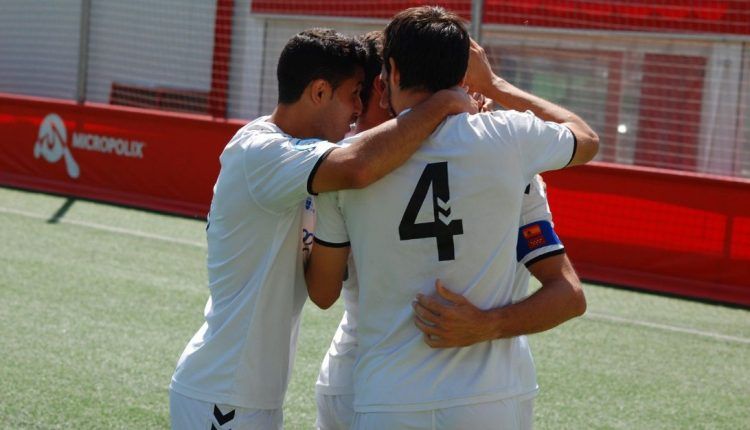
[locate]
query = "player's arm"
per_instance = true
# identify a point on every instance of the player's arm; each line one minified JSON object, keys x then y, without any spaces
{"x":329,"y":255}
{"x":559,"y":299}
{"x":325,"y":273}
{"x":480,"y":78}
{"x":454,"y":321}
{"x":382,"y":149}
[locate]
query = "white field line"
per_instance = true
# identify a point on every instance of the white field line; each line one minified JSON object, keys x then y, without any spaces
{"x":588,"y":315}
{"x":107,"y":228}
{"x":686,"y":330}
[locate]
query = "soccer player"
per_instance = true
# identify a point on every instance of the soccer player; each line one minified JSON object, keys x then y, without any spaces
{"x":538,"y":249}
{"x":451,"y":212}
{"x":234,"y":371}
{"x":334,"y":391}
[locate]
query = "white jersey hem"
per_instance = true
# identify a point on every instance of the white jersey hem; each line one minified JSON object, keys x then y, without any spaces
{"x":329,"y":390}
{"x":222,"y":399}
{"x":448,"y":403}
{"x":540,"y":252}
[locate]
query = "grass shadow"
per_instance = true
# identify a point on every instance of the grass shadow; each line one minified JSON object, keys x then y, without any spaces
{"x":57,"y":216}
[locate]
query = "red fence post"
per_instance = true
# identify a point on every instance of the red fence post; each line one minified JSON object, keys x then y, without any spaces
{"x":217,"y":99}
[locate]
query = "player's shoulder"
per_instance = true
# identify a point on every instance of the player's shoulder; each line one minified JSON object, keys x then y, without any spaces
{"x":257,"y":134}
{"x":348,"y":140}
{"x":262,"y":134}
{"x":484,"y":120}
{"x":534,"y":203}
{"x":505,"y":118}
{"x":261,"y":126}
{"x":463,"y":126}
{"x":488,"y":127}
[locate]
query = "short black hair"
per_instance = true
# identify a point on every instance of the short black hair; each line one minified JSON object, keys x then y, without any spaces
{"x":317,"y":53}
{"x":373,"y":45}
{"x":430,"y":46}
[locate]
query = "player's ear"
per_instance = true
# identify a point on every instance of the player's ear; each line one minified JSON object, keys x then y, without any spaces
{"x":378,"y":86}
{"x":384,"y":98}
{"x":394,"y":77}
{"x":320,"y":91}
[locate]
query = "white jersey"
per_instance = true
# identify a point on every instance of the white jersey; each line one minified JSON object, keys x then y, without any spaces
{"x":243,"y":353}
{"x":536,"y":240}
{"x":335,"y":376}
{"x":536,"y":235}
{"x":451,"y":212}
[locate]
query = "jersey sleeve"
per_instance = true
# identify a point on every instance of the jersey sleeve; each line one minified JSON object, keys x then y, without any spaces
{"x":330,"y":228}
{"x":543,"y":145}
{"x":537,"y":238}
{"x":280,"y":171}
{"x":308,"y":227}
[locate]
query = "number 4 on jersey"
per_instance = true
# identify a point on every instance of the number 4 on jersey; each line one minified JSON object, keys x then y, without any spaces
{"x":443,"y":228}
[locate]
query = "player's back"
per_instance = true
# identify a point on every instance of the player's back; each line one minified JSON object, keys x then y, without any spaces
{"x":451,"y":212}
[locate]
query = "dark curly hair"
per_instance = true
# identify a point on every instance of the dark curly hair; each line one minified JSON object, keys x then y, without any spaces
{"x":373,"y":44}
{"x":317,"y":53}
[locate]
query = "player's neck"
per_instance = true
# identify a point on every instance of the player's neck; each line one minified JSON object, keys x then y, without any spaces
{"x":364,"y":124}
{"x":408,"y":99}
{"x":293,"y":120}
{"x":373,"y":117}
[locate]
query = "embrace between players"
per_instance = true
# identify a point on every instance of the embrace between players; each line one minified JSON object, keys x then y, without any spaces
{"x":434,"y":220}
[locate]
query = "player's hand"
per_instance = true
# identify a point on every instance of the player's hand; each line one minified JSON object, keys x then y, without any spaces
{"x":450,"y":320}
{"x":479,"y":75}
{"x":485,"y":103}
{"x":457,"y":100}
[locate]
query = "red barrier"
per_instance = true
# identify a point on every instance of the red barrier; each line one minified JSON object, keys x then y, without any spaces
{"x":155,"y":160}
{"x":656,"y":229}
{"x":642,"y":227}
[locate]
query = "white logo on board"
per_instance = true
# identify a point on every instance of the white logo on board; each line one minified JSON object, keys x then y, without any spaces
{"x":52,"y":144}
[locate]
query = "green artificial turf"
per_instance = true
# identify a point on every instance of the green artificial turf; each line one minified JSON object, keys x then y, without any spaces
{"x":97,"y":303}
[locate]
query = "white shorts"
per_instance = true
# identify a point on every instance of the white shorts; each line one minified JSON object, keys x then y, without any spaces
{"x":335,"y":412}
{"x":191,"y":414}
{"x":508,"y":414}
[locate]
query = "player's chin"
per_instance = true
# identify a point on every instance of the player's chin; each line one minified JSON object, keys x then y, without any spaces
{"x":342,"y":132}
{"x":338,"y":136}
{"x":334,"y":132}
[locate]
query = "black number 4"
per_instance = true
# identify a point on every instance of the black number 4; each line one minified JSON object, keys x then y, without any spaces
{"x":442,"y":228}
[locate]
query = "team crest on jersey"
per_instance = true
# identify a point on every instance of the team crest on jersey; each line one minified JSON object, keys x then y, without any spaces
{"x":305,"y":144}
{"x":307,"y":242}
{"x":534,"y":237}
